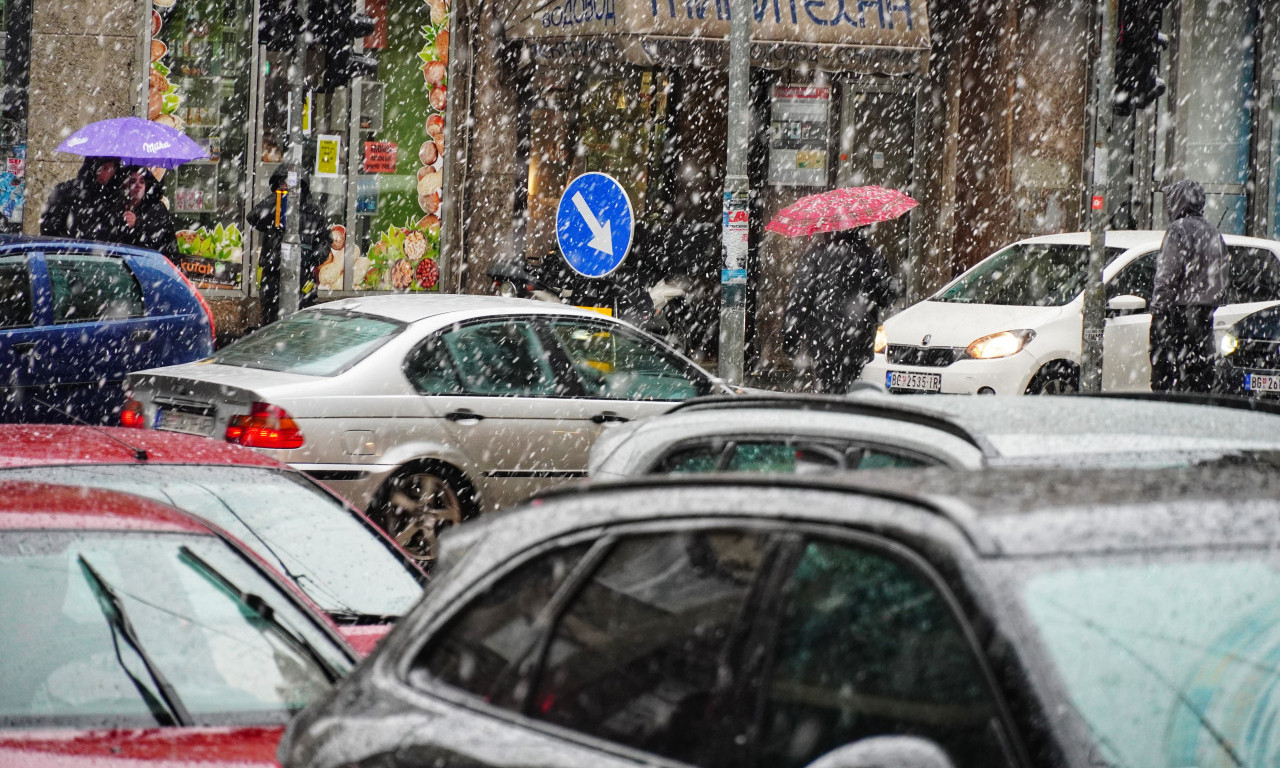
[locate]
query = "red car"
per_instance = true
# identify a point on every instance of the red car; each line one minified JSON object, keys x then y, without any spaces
{"x":140,"y":636}
{"x":345,"y":564}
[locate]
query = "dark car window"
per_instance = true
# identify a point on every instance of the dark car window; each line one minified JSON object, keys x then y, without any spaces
{"x":482,"y":649}
{"x":867,"y":646}
{"x":1137,"y":278}
{"x":1255,"y":275}
{"x":501,"y":358}
{"x":15,"y":292}
{"x":617,"y":364}
{"x":92,"y":287}
{"x":1026,"y":275}
{"x":642,"y":653}
{"x":430,"y":370}
{"x":787,"y":456}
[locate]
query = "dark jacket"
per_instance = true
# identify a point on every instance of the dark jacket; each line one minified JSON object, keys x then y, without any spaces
{"x":842,"y":287}
{"x":153,"y":227}
{"x":1193,"y":267}
{"x":84,"y":208}
{"x":313,"y":228}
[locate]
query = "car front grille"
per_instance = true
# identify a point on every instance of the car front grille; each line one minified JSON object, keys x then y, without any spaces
{"x":1256,"y":353}
{"x":928,"y":357}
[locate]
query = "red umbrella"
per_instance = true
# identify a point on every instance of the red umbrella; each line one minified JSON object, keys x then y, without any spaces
{"x":839,"y":209}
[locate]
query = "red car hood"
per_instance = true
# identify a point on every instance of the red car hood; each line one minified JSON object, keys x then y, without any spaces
{"x":150,"y":748}
{"x":363,"y":638}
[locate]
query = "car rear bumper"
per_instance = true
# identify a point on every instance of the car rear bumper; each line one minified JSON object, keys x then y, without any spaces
{"x":1004,"y":376}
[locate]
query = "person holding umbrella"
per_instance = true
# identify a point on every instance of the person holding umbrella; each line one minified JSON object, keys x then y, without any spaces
{"x":90,"y":206}
{"x":145,"y":220}
{"x":843,"y":284}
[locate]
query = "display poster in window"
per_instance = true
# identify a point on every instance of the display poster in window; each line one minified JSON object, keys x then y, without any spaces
{"x":328,"y":154}
{"x":799,"y":131}
{"x":199,"y":54}
{"x":399,"y":231}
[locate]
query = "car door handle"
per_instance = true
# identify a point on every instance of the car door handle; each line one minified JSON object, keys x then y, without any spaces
{"x":608,"y":417}
{"x":463,"y":415}
{"x":25,"y":347}
{"x":145,"y":334}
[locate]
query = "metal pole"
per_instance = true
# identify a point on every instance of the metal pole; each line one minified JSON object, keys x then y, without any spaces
{"x":1100,"y":106}
{"x":291,"y":248}
{"x":737,"y":196}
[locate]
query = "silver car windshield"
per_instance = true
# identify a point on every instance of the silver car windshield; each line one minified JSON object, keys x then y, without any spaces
{"x":342,"y":566}
{"x":1168,"y":658}
{"x":311,"y":343}
{"x":1026,"y":275}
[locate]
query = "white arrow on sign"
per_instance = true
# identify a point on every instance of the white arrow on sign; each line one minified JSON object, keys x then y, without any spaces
{"x":601,"y":236}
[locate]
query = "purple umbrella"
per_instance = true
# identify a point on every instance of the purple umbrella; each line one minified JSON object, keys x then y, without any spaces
{"x":135,"y":141}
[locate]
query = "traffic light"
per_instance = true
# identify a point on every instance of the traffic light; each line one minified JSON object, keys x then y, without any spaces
{"x":336,"y":26}
{"x":1138,"y":45}
{"x":279,"y":25}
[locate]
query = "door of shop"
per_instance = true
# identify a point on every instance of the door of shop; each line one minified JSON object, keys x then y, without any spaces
{"x":877,"y":139}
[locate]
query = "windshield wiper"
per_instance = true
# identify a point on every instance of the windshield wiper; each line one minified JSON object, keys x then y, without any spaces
{"x":260,"y":608}
{"x":356,"y":617}
{"x":172,"y":710}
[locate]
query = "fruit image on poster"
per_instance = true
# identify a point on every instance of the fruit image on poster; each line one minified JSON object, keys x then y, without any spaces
{"x":435,"y":67}
{"x":403,"y":259}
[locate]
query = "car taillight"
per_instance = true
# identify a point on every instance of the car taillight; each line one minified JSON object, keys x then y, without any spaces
{"x":208,"y":311}
{"x":132,"y":415}
{"x":266,"y":426}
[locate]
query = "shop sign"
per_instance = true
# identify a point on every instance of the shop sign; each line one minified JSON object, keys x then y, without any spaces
{"x":379,"y":157}
{"x":798,"y":136}
{"x":328,"y":150}
{"x":210,"y":273}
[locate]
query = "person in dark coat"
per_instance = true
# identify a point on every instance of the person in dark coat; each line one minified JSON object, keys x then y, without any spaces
{"x":145,"y":221}
{"x":313,"y":231}
{"x":840,"y":291}
{"x":90,"y":206}
{"x":1192,"y":272}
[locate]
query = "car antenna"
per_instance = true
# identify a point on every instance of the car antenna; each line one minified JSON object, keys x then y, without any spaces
{"x":139,"y":454}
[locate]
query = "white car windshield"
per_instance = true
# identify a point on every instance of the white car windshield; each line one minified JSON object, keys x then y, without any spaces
{"x":311,"y":343}
{"x":1026,"y":275}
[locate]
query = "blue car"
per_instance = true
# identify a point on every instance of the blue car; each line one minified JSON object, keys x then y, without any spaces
{"x":76,"y":316}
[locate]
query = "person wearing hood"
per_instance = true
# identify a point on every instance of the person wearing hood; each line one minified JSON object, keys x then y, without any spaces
{"x":313,"y":230}
{"x":840,"y":291}
{"x":90,"y":206}
{"x":145,"y":220}
{"x":1192,"y":271}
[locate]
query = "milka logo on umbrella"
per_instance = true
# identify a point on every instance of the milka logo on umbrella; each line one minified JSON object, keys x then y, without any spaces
{"x":156,"y":146}
{"x":77,"y":141}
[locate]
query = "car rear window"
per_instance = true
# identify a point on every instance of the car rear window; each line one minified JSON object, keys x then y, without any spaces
{"x":1026,"y":275}
{"x":311,"y":343}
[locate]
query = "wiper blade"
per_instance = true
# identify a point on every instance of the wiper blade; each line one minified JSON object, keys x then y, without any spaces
{"x":112,"y":607}
{"x":260,"y":608}
{"x":356,"y":617}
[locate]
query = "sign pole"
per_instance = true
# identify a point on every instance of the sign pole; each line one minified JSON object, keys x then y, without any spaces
{"x":291,"y":248}
{"x":1100,"y":104}
{"x":737,"y":199}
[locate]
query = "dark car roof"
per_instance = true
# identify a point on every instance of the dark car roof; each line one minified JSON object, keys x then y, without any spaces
{"x":38,"y":445}
{"x":1013,"y":511}
{"x":32,"y":505}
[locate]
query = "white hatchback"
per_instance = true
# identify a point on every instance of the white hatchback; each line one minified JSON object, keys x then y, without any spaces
{"x":1012,"y":323}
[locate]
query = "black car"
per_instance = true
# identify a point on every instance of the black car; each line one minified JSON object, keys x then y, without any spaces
{"x":1009,"y":617}
{"x":1249,"y":355}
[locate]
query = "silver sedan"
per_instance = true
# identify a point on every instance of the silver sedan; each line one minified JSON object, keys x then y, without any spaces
{"x":424,"y":410}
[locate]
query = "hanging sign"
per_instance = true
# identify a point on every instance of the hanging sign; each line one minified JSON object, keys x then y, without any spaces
{"x":328,"y":152}
{"x":379,"y":157}
{"x":798,"y":136}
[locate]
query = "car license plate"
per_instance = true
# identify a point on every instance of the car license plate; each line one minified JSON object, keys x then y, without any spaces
{"x":183,"y":421}
{"x":922,"y":382}
{"x":1258,"y":382}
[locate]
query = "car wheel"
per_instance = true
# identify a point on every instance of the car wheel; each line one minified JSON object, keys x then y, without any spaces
{"x":1057,"y":378}
{"x":419,"y":504}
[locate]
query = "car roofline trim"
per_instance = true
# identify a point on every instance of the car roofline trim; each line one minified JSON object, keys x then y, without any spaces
{"x":954,"y":511}
{"x":846,"y":405}
{"x":1191,"y":398}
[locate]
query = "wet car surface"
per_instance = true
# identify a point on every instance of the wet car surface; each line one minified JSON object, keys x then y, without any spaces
{"x":1012,"y":617}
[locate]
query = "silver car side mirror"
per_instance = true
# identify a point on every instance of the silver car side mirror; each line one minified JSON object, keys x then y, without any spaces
{"x":886,"y":752}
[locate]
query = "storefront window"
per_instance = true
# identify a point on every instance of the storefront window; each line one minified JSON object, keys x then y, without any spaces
{"x":15,"y":56}
{"x":201,"y":54}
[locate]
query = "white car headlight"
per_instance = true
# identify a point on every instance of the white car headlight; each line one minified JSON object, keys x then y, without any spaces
{"x":1000,"y":344}
{"x":882,"y":340}
{"x":1228,"y":344}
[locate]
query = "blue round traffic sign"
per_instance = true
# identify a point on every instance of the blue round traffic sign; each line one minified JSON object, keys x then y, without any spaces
{"x":594,"y":224}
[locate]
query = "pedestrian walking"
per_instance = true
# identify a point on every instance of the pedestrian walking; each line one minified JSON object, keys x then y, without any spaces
{"x":841,"y":289}
{"x":268,"y":217}
{"x":145,"y":220}
{"x":1192,"y":271}
{"x":90,"y":206}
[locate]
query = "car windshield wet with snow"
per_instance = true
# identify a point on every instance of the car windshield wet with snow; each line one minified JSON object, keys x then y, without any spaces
{"x":1008,"y":618}
{"x":424,"y":410}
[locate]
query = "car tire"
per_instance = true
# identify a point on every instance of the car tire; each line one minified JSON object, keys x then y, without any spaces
{"x":1056,"y":378}
{"x":419,"y":503}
